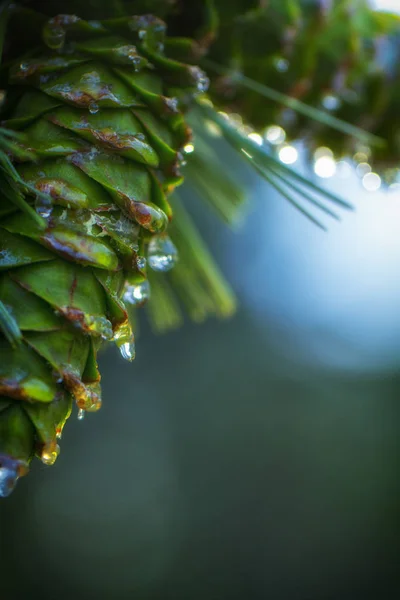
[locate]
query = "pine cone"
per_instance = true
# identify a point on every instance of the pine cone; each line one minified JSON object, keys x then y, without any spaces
{"x":100,"y":109}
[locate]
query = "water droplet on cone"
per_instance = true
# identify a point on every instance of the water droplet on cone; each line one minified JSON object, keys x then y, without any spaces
{"x":81,"y":414}
{"x":93,"y":108}
{"x":128,"y":350}
{"x":50,"y":452}
{"x":43,"y":206}
{"x":162,"y":254}
{"x":137,"y":294}
{"x":8,"y":480}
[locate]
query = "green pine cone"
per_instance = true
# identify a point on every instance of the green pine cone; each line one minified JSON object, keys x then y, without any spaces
{"x":99,"y":107}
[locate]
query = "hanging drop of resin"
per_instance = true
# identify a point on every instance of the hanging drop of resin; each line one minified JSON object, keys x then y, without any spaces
{"x":8,"y":478}
{"x":162,"y":254}
{"x":50,"y":453}
{"x":128,"y":350}
{"x":137,"y":294}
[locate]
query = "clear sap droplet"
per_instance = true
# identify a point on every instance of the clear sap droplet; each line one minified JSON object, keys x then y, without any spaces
{"x":24,"y":67}
{"x":372,"y":182}
{"x":172,"y":104}
{"x":281,"y":65}
{"x":162,"y":254}
{"x":142,"y":34}
{"x":137,"y":294}
{"x":50,"y":453}
{"x":331,"y":102}
{"x":8,"y":479}
{"x":93,"y":108}
{"x":275,"y":135}
{"x":288,"y":154}
{"x":54,"y":36}
{"x":188,"y":149}
{"x":43,"y":206}
{"x":81,"y":414}
{"x":363,"y":168}
{"x":200,"y":79}
{"x":325,"y":167}
{"x":128,"y":350}
{"x":141,"y":263}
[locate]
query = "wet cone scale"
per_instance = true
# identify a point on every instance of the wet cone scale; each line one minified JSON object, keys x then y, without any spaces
{"x":100,"y":109}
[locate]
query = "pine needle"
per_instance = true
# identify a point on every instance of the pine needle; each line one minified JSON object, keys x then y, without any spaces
{"x":304,"y":109}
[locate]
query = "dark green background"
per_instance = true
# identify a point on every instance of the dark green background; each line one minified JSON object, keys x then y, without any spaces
{"x":252,"y":459}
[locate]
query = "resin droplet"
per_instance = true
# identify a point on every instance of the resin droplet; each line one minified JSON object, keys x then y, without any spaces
{"x":8,"y":479}
{"x":53,"y":36}
{"x":137,"y":294}
{"x":128,"y":350}
{"x":162,"y":254}
{"x":200,"y":79}
{"x":50,"y":452}
{"x":141,"y":263}
{"x":281,"y":65}
{"x":11,"y":470}
{"x":93,"y":108}
{"x":81,"y":414}
{"x":331,"y":102}
{"x":43,"y":206}
{"x":171,"y":104}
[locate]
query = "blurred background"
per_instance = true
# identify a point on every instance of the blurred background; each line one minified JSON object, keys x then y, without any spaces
{"x":254,"y":458}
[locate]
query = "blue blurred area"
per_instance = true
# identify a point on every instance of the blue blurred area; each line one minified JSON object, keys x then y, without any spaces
{"x":251,"y":459}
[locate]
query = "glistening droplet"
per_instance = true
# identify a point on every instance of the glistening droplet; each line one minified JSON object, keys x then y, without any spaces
{"x":162,"y":255}
{"x":43,"y":206}
{"x":141,"y":263}
{"x":81,"y":414}
{"x":331,"y":102}
{"x":128,"y":350}
{"x":50,"y":452}
{"x":8,"y":479}
{"x":93,"y":108}
{"x":137,"y":294}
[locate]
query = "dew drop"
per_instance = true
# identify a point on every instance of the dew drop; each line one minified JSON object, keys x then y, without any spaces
{"x":188,"y":149}
{"x":162,"y":254}
{"x":141,"y":263}
{"x":93,"y":108}
{"x":281,"y":65}
{"x":372,"y":182}
{"x":53,"y":36}
{"x":288,"y":154}
{"x":128,"y":350}
{"x":201,"y":80}
{"x":43,"y":206}
{"x":81,"y":414}
{"x":363,"y":168}
{"x":8,"y":479}
{"x":24,"y":67}
{"x":137,"y":294}
{"x":275,"y":135}
{"x":142,"y":33}
{"x":50,"y":452}
{"x":172,"y":104}
{"x":331,"y":102}
{"x":325,"y":167}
